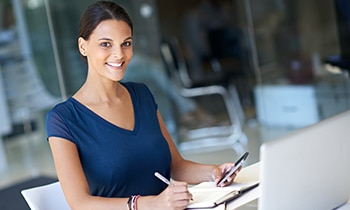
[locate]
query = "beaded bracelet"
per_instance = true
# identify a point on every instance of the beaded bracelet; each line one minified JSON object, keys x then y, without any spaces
{"x":131,"y":204}
{"x":135,"y":202}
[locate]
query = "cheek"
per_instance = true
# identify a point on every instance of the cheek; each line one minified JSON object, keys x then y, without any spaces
{"x":129,"y":53}
{"x":98,"y":55}
{"x":127,"y":56}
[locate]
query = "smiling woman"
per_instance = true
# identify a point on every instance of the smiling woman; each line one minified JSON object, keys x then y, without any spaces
{"x":109,"y":45}
{"x":109,"y":138}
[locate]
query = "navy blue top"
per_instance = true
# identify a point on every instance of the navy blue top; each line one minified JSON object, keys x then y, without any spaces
{"x":117,"y":162}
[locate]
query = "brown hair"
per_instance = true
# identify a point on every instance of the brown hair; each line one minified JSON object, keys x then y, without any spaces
{"x":98,"y":12}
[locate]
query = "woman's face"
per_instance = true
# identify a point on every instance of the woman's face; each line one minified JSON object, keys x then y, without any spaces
{"x":109,"y":49}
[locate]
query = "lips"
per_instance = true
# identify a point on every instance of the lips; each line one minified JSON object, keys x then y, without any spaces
{"x":115,"y":64}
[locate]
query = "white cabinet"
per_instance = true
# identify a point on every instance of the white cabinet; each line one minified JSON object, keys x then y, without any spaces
{"x":292,"y":106}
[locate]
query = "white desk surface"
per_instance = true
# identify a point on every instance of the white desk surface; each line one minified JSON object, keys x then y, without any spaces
{"x":247,"y":174}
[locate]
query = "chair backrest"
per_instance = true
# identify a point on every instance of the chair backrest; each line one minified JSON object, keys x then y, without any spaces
{"x":46,"y":197}
{"x":175,"y":62}
{"x":226,"y":52}
{"x":224,"y":42}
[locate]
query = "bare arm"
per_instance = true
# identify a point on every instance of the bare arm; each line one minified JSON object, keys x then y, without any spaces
{"x":189,"y":171}
{"x":73,"y":180}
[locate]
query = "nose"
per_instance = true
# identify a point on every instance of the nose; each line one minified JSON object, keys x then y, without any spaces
{"x":118,"y":52}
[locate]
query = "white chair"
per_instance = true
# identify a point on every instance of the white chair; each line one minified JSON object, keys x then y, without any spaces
{"x":46,"y":197}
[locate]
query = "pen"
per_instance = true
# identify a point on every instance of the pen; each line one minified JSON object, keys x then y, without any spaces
{"x":165,"y":180}
{"x":162,"y":178}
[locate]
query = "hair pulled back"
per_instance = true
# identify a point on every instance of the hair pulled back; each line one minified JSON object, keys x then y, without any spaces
{"x":98,"y":12}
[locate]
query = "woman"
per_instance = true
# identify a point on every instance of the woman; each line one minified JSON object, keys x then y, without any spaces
{"x":108,"y":139}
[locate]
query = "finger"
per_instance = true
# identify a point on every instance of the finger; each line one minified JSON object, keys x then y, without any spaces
{"x":179,"y":188}
{"x":229,"y":180}
{"x":177,"y":183}
{"x":181,"y":199}
{"x":227,"y":167}
{"x":180,"y":191}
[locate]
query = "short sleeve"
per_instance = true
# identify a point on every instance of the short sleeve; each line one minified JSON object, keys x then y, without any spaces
{"x":56,"y":127}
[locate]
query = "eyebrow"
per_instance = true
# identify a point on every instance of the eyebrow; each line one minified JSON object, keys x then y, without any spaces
{"x":130,"y":37}
{"x":108,"y":39}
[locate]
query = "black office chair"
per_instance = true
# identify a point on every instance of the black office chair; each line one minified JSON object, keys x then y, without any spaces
{"x":214,"y":137}
{"x":225,"y":48}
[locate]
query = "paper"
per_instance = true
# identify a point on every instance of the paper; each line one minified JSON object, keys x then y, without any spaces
{"x":219,"y":207}
{"x":208,"y":195}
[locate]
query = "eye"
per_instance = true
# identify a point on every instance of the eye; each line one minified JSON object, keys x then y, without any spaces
{"x":105,"y":44}
{"x":127,"y":44}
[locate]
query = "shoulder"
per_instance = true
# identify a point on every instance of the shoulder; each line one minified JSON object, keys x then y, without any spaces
{"x":59,"y":120}
{"x":137,"y":88}
{"x":134,"y":85}
{"x":63,"y":106}
{"x":140,"y":93}
{"x":62,"y":110}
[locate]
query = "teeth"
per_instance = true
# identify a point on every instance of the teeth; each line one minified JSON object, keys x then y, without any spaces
{"x":115,"y":64}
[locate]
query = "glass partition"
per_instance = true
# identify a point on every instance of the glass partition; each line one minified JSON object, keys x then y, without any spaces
{"x":284,"y":46}
{"x":293,"y":40}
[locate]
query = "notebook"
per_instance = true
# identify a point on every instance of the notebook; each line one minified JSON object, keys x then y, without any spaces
{"x":208,"y":195}
{"x":308,"y":169}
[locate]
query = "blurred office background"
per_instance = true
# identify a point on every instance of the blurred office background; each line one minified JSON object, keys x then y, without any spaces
{"x":283,"y":63}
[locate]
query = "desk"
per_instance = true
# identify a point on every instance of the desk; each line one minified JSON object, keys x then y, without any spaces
{"x":247,"y":174}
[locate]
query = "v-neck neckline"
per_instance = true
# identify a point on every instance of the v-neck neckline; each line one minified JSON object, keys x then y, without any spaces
{"x":106,"y":122}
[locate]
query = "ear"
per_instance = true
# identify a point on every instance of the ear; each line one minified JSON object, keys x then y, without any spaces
{"x":81,"y":46}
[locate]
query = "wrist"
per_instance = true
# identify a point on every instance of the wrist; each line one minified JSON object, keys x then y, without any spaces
{"x":214,"y":173}
{"x":132,"y":202}
{"x":145,"y":203}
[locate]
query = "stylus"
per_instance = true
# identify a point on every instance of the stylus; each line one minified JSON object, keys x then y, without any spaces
{"x":162,"y":178}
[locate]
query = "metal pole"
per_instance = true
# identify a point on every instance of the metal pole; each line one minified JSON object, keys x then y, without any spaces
{"x":251,"y":32}
{"x":55,"y":51}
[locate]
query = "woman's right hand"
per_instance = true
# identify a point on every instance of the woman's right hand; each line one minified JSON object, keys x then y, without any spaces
{"x":174,"y":197}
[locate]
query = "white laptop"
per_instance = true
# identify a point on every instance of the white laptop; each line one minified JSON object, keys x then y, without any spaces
{"x":308,"y":169}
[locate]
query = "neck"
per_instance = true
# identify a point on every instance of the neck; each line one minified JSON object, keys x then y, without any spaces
{"x":100,"y":92}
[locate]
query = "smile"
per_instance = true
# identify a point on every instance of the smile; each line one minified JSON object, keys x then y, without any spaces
{"x":115,"y":64}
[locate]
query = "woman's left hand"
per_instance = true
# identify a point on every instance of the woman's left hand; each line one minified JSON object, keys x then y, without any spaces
{"x":220,"y":171}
